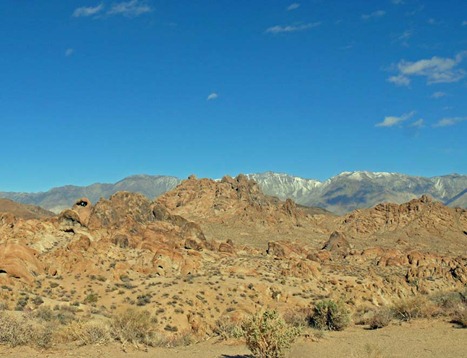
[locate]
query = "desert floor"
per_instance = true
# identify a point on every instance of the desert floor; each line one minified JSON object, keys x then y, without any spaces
{"x":424,"y":338}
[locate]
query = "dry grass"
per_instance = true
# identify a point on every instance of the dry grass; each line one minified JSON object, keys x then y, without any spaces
{"x":459,"y":315}
{"x":44,"y":326}
{"x":297,"y":317}
{"x":381,"y":317}
{"x":19,"y":330}
{"x":87,"y":333}
{"x":226,"y":328}
{"x":136,"y":327}
{"x":414,"y":308}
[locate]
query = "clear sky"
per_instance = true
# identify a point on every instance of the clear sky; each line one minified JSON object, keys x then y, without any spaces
{"x":93,"y":91}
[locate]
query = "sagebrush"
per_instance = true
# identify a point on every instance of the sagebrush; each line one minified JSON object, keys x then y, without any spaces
{"x":267,"y":335}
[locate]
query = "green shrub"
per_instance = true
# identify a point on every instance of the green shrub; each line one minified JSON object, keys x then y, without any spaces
{"x":91,"y":298}
{"x":267,"y":335}
{"x":330,"y":315}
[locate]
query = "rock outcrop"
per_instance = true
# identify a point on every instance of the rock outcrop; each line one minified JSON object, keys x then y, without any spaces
{"x":20,"y":261}
{"x":230,"y":200}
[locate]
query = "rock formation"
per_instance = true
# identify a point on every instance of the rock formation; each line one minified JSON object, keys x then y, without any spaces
{"x":208,"y":251}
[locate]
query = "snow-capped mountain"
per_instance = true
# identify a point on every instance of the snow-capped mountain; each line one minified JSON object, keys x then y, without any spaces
{"x":285,"y":186}
{"x":360,"y":189}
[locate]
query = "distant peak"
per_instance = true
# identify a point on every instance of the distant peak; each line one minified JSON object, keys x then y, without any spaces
{"x":360,"y":174}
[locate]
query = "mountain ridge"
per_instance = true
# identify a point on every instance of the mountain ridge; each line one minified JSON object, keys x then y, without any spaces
{"x":340,"y":194}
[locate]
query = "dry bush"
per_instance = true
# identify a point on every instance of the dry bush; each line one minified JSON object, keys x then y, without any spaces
{"x":446,"y":300}
{"x":136,"y":327}
{"x":226,"y":328}
{"x":297,"y":317}
{"x":330,"y":315}
{"x":44,"y":313}
{"x":460,"y":315}
{"x":449,"y":303}
{"x":59,"y":315}
{"x":19,"y":329}
{"x":181,"y":339}
{"x":87,"y":333}
{"x":381,"y":317}
{"x":413,"y":308}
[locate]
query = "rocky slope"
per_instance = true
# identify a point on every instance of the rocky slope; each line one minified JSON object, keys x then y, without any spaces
{"x":23,"y":211}
{"x":237,"y":209}
{"x":421,"y":223}
{"x":192,"y":258}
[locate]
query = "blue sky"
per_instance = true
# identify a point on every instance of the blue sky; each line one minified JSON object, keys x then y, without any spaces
{"x":93,"y":91}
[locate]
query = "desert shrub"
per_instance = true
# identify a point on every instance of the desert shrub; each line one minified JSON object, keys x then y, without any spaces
{"x":90,"y":332}
{"x":413,"y":308}
{"x":61,"y":315}
{"x":267,"y":335}
{"x":226,"y":328}
{"x":19,"y":330}
{"x":380,"y":318}
{"x":22,"y":302}
{"x":14,"y":330}
{"x":297,"y":317}
{"x":181,"y":339}
{"x":330,"y":315}
{"x":134,"y":326}
{"x":91,"y":298}
{"x":44,"y":313}
{"x":449,"y":303}
{"x":460,"y":315}
{"x":38,"y":300}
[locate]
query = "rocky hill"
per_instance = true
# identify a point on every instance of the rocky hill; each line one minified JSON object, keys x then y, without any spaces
{"x":229,"y":200}
{"x":23,"y":211}
{"x":340,"y":194}
{"x":236,"y":208}
{"x":421,"y":223}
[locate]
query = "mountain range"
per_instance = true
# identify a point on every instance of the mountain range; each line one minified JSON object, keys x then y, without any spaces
{"x":361,"y":189}
{"x":340,"y":194}
{"x":60,"y":198}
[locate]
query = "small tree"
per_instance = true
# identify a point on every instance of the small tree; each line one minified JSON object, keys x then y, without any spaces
{"x":267,"y":335}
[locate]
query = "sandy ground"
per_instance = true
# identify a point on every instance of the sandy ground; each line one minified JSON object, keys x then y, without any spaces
{"x":416,"y":339}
